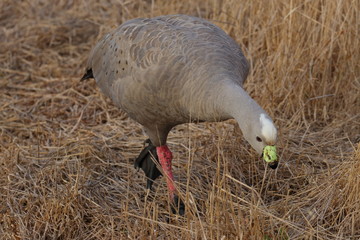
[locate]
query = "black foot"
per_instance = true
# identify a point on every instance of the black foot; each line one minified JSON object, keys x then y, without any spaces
{"x":145,"y":161}
{"x":178,"y":206}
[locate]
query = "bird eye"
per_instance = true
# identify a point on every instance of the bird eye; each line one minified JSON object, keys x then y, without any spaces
{"x":258,"y":139}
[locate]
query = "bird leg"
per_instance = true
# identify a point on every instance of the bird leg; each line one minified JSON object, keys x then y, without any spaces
{"x":165,"y":159}
{"x":161,"y":154}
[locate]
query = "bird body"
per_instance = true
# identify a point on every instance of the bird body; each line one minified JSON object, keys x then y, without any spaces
{"x":176,"y":69}
{"x":167,"y":70}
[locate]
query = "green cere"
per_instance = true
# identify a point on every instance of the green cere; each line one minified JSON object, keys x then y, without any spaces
{"x":269,"y":154}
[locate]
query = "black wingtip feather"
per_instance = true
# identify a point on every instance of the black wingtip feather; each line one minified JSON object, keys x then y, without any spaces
{"x":87,"y":75}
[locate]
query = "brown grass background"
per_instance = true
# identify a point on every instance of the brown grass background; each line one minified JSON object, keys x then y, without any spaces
{"x":66,"y":153}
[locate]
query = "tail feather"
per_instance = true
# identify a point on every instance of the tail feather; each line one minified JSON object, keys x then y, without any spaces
{"x":87,"y":75}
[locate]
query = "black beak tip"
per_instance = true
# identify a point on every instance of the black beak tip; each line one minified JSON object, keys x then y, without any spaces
{"x":274,"y":165}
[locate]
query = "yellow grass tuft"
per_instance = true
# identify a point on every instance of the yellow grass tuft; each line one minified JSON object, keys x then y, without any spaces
{"x":66,"y":153}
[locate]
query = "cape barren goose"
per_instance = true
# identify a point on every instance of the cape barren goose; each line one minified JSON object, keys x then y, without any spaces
{"x":169,"y":70}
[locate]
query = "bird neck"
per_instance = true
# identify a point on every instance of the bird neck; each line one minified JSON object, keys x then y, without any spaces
{"x":238,"y":104}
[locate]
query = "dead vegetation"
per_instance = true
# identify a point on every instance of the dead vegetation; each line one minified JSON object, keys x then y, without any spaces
{"x":66,"y":153}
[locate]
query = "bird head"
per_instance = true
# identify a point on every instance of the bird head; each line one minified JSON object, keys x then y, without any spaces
{"x":262,"y":137}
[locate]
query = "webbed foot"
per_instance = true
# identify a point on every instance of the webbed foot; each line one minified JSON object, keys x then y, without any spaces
{"x":145,"y":161}
{"x":178,"y":206}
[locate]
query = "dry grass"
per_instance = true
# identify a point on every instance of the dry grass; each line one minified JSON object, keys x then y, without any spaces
{"x":67,"y":153}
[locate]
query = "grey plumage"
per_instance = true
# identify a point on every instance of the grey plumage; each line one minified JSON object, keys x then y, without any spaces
{"x":169,"y":70}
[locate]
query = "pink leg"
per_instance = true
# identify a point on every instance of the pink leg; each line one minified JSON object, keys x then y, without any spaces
{"x":165,"y":158}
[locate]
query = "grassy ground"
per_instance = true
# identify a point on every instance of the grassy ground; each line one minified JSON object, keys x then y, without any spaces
{"x":66,"y":153}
